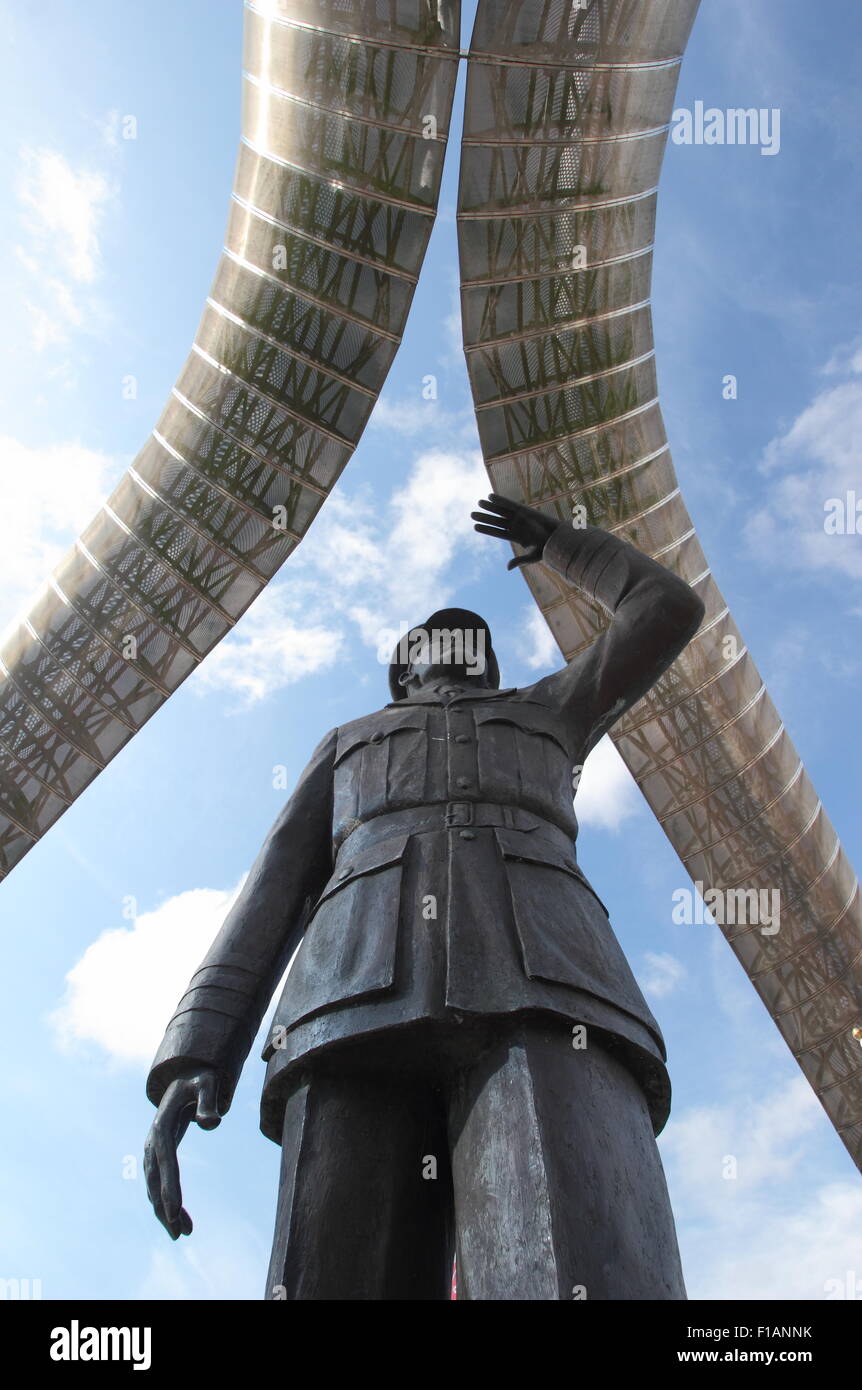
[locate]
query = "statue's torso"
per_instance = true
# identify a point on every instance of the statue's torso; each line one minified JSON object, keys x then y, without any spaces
{"x":505,"y":749}
{"x":455,"y":888}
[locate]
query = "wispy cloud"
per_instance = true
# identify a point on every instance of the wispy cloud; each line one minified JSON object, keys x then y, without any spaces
{"x":62,"y":210}
{"x":542,"y":650}
{"x":362,"y":572}
{"x":415,"y":417}
{"x":269,"y":650}
{"x":225,"y":1259}
{"x":664,"y":974}
{"x":47,"y":495}
{"x":753,"y":1220}
{"x":811,"y":465}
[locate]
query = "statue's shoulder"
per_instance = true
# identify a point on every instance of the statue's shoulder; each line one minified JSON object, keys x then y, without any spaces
{"x":360,"y":721}
{"x":379,"y":720}
{"x":528,"y":695}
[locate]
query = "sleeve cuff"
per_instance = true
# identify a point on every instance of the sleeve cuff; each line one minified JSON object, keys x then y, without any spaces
{"x":200,"y":1038}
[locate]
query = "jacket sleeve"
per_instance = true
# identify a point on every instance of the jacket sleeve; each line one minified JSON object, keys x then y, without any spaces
{"x":655,"y":614}
{"x":218,"y":1016}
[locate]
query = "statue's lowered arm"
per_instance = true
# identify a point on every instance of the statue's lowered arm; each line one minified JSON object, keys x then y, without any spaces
{"x":198,"y":1064}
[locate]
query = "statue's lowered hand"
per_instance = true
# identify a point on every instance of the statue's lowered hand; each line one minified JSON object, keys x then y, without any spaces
{"x":515,"y":521}
{"x":187,"y":1098}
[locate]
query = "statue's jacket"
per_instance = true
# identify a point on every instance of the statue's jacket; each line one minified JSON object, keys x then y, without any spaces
{"x":426,"y":862}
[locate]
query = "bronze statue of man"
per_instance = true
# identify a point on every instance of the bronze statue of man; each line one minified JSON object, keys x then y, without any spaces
{"x":461,"y":1059}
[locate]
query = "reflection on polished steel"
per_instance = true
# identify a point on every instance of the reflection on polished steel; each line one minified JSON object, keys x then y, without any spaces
{"x":334,"y":198}
{"x":336,"y":186}
{"x":566,"y":121}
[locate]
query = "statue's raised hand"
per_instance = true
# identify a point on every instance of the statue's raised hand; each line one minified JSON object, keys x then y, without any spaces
{"x":191,"y":1097}
{"x":515,"y":521}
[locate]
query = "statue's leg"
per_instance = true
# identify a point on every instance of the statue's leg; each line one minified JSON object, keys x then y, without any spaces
{"x":559,"y":1188}
{"x":365,"y":1194}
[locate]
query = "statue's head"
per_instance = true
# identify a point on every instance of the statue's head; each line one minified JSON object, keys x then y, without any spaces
{"x":453,"y":643}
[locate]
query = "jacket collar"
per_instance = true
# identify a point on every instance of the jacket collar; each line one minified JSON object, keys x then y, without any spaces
{"x":431,"y":696}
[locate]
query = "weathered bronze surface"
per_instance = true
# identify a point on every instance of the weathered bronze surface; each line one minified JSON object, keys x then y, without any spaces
{"x":461,"y":1053}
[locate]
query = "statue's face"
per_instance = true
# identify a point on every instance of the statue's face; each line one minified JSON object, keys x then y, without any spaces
{"x":446,"y":653}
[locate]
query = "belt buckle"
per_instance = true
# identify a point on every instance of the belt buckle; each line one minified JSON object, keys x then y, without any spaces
{"x":459,"y":813}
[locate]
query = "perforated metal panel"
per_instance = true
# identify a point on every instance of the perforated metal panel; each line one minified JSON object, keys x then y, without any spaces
{"x":336,"y":186}
{"x":566,"y":122}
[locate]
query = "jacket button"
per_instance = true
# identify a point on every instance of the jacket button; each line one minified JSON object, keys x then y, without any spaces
{"x":462,"y":781}
{"x":376,"y":738}
{"x":462,"y":738}
{"x":467,"y":834}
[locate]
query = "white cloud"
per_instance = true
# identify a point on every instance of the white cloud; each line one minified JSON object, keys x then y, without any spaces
{"x":607,"y":794}
{"x":846,"y":358}
{"x":382,"y":569}
{"x":405,"y":416}
{"x":124,"y":989}
{"x":47,"y":496}
{"x":62,"y":209}
{"x":411,"y":417}
{"x":394,"y":559}
{"x":431,"y":522}
{"x":815,"y":460}
{"x":663,"y":975}
{"x":268,"y":651}
{"x":543,"y":650}
{"x":65,"y":207}
{"x":770,"y":1231}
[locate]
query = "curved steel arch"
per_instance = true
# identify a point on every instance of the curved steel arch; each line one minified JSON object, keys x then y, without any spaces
{"x":335,"y":191}
{"x":566,"y":121}
{"x":334,"y":197}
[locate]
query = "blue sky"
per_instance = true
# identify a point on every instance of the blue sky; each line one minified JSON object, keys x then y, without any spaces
{"x":109,"y":245}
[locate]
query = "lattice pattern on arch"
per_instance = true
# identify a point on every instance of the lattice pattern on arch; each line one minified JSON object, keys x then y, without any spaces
{"x":565,"y":127}
{"x":336,"y":186}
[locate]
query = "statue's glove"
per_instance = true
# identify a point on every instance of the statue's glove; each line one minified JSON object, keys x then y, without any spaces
{"x":516,"y":522}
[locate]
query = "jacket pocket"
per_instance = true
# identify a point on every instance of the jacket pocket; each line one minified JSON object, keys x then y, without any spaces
{"x":562,"y":926}
{"x":349,"y":946}
{"x":379,"y":762}
{"x":529,"y":739}
{"x":531,"y":848}
{"x":532,"y":718}
{"x":376,"y":729}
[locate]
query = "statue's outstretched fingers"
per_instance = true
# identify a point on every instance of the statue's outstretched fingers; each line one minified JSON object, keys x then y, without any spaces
{"x":492,"y":531}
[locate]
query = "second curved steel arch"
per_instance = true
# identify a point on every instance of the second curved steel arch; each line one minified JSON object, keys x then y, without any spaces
{"x":565,"y":127}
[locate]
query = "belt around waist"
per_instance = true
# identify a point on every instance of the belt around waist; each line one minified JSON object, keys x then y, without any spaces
{"x":453,"y":815}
